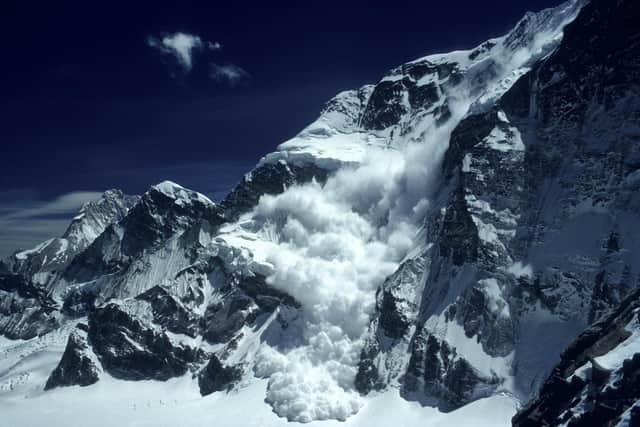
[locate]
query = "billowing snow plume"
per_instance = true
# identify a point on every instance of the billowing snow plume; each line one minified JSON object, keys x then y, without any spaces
{"x":330,"y":247}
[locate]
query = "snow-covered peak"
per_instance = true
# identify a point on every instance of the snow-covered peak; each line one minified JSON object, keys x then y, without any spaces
{"x":179,"y":193}
{"x":91,"y":221}
{"x":421,"y":96}
{"x":96,"y":215}
{"x":527,"y":38}
{"x":332,"y":140}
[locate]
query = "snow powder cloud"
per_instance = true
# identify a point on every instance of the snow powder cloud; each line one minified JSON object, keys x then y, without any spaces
{"x":331,"y":247}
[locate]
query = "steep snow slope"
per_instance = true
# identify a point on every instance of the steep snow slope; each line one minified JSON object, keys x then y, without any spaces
{"x":597,"y":381}
{"x":421,"y":241}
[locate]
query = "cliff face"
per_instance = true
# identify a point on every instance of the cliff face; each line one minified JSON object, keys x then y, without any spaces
{"x":535,"y":236}
{"x":596,"y":380}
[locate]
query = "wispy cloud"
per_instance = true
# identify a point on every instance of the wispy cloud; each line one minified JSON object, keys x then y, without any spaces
{"x":214,"y":45}
{"x":26,"y":221}
{"x":182,"y":47}
{"x":230,"y":74}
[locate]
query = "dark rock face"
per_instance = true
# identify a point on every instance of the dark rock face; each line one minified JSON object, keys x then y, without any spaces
{"x":469,"y":133}
{"x":614,"y":281}
{"x":496,"y":333}
{"x":128,"y":349}
{"x":158,"y":216}
{"x":25,"y":309}
{"x":225,"y":318}
{"x":600,"y":396}
{"x":75,"y":367}
{"x":436,"y":370}
{"x":392,"y":319}
{"x":392,"y":323}
{"x":216,"y":377}
{"x":368,"y":378}
{"x":243,"y":299}
{"x":386,"y":106}
{"x":79,"y":302}
{"x":459,"y":237}
{"x":25,"y":289}
{"x":171,"y":313}
{"x":270,"y":178}
{"x":602,"y":65}
{"x":92,"y":263}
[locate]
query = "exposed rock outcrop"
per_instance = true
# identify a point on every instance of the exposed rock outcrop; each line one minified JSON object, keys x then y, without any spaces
{"x":77,"y":366}
{"x":216,"y":377}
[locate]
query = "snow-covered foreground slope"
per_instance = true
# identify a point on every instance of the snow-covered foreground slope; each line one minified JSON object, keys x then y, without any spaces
{"x":177,"y":402}
{"x":422,"y":253}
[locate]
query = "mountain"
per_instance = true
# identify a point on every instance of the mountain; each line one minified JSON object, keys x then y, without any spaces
{"x":451,"y":243}
{"x":597,"y":381}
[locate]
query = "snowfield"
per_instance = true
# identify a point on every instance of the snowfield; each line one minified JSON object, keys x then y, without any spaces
{"x":177,"y":402}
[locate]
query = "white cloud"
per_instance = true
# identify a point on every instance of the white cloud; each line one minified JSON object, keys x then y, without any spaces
{"x":230,"y":74}
{"x":214,"y":45}
{"x":26,"y":221}
{"x":182,"y":47}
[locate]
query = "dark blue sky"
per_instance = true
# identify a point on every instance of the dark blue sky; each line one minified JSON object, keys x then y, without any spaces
{"x":88,"y":105}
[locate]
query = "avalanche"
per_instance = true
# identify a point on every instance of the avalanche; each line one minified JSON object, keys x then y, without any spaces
{"x":331,"y":246}
{"x":328,"y":244}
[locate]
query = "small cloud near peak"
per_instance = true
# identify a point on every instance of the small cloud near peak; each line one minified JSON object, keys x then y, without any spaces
{"x":214,"y":45}
{"x":182,"y":46}
{"x":230,"y":74}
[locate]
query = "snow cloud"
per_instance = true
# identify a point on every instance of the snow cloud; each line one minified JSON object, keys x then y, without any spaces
{"x":331,"y":247}
{"x":229,"y":74}
{"x":182,"y":47}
